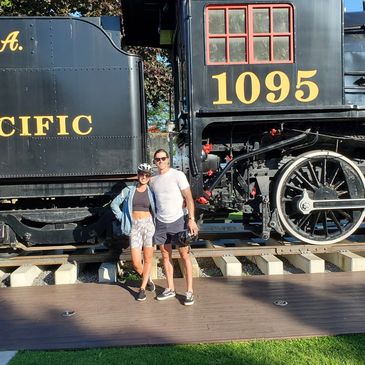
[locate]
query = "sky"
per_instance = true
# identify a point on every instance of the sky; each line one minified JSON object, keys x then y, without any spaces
{"x":353,"y":5}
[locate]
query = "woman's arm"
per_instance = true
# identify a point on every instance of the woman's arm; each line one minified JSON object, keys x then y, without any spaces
{"x":116,"y":203}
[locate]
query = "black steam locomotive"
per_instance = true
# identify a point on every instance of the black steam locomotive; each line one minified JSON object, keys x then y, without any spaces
{"x":269,"y":103}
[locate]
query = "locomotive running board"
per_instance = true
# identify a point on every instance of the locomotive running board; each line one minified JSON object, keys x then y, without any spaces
{"x":306,"y":205}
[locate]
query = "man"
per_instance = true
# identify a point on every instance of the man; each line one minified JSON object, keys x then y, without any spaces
{"x":171,"y":188}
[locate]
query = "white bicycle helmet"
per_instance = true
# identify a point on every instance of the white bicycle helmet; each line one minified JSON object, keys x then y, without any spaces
{"x":144,"y":167}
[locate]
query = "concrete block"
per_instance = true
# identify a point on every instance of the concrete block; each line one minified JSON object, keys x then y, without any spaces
{"x":345,"y":260}
{"x":307,"y":262}
{"x":194,"y":264}
{"x":154,"y":271}
{"x":24,"y":275}
{"x":229,"y":265}
{"x":108,"y":272}
{"x":66,"y":274}
{"x":268,"y":264}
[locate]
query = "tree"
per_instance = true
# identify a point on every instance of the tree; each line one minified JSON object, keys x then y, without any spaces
{"x":158,"y":84}
{"x":4,"y":6}
{"x":62,"y":7}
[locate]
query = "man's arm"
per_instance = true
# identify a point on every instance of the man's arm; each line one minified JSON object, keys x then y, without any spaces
{"x":191,"y":211}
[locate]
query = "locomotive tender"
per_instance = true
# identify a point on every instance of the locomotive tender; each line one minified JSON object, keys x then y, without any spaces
{"x":269,"y":104}
{"x":72,"y":124}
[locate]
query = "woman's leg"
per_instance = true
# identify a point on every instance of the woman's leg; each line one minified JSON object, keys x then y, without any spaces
{"x":136,"y":248}
{"x":137,"y":260}
{"x":147,"y":264}
{"x":148,"y":250}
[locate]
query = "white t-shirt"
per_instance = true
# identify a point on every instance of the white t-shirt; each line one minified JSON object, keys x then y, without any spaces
{"x":169,"y":200}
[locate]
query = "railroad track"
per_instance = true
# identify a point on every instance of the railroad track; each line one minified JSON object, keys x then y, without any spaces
{"x":241,"y":249}
{"x":215,"y":240}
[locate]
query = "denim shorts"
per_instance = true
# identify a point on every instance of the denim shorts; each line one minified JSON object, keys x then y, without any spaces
{"x":167,"y":233}
{"x":142,"y":233}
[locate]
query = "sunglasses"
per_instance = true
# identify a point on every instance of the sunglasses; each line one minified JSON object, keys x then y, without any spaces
{"x":144,"y":174}
{"x":158,"y":159}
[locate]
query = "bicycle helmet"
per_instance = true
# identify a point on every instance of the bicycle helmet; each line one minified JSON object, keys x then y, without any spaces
{"x":144,"y":167}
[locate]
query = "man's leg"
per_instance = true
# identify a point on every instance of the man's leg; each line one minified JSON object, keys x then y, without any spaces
{"x":166,"y":251}
{"x":184,"y":254}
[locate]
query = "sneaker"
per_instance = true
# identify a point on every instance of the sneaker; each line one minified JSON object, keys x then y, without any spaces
{"x":151,"y":285}
{"x":166,"y":294}
{"x":189,"y":298}
{"x":141,"y":296}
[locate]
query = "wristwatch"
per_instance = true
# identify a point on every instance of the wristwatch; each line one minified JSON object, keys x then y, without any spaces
{"x":192,"y":218}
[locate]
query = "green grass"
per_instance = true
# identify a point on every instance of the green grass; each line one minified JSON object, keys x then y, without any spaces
{"x":129,"y":275}
{"x":235,"y":216}
{"x":337,"y":350}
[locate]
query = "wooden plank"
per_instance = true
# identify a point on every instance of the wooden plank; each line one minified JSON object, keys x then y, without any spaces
{"x":59,"y":259}
{"x":109,"y":315}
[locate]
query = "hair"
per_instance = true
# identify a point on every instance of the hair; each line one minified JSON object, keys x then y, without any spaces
{"x":161,"y":150}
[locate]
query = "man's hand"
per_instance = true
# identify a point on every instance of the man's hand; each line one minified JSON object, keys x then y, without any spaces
{"x":193,"y":227}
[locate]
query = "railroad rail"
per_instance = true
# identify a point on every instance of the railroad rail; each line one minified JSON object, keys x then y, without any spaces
{"x":249,"y":250}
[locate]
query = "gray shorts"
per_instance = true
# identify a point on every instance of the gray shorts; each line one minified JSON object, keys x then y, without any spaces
{"x":167,"y":233}
{"x":142,"y":233}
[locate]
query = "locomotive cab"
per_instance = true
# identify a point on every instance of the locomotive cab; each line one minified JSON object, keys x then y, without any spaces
{"x":256,"y":64}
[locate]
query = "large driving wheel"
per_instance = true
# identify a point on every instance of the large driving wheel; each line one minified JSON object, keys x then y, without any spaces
{"x":320,"y":175}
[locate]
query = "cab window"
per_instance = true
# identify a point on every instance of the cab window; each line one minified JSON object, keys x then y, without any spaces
{"x":251,"y":34}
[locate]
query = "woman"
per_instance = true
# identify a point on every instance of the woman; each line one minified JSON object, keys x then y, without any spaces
{"x":137,"y":221}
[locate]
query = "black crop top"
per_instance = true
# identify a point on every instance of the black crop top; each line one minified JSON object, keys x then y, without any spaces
{"x":141,"y":202}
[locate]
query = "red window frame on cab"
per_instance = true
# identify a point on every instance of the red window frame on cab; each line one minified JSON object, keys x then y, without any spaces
{"x":250,"y":35}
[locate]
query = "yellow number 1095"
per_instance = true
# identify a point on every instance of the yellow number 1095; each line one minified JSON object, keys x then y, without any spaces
{"x":276,"y":82}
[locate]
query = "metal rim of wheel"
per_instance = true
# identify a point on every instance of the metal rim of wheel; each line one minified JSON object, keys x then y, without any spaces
{"x":318,"y":172}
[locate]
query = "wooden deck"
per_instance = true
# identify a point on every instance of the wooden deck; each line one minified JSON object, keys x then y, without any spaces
{"x":225,"y":310}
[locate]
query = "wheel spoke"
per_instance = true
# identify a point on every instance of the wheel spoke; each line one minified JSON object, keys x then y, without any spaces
{"x":305,"y":180}
{"x":303,"y":221}
{"x":334,"y":176}
{"x":335,"y":220}
{"x":290,"y":185}
{"x":324,"y":222}
{"x":316,"y":217}
{"x":324,"y":171}
{"x":313,"y":173}
{"x":338,"y":185}
{"x":346,"y":215}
